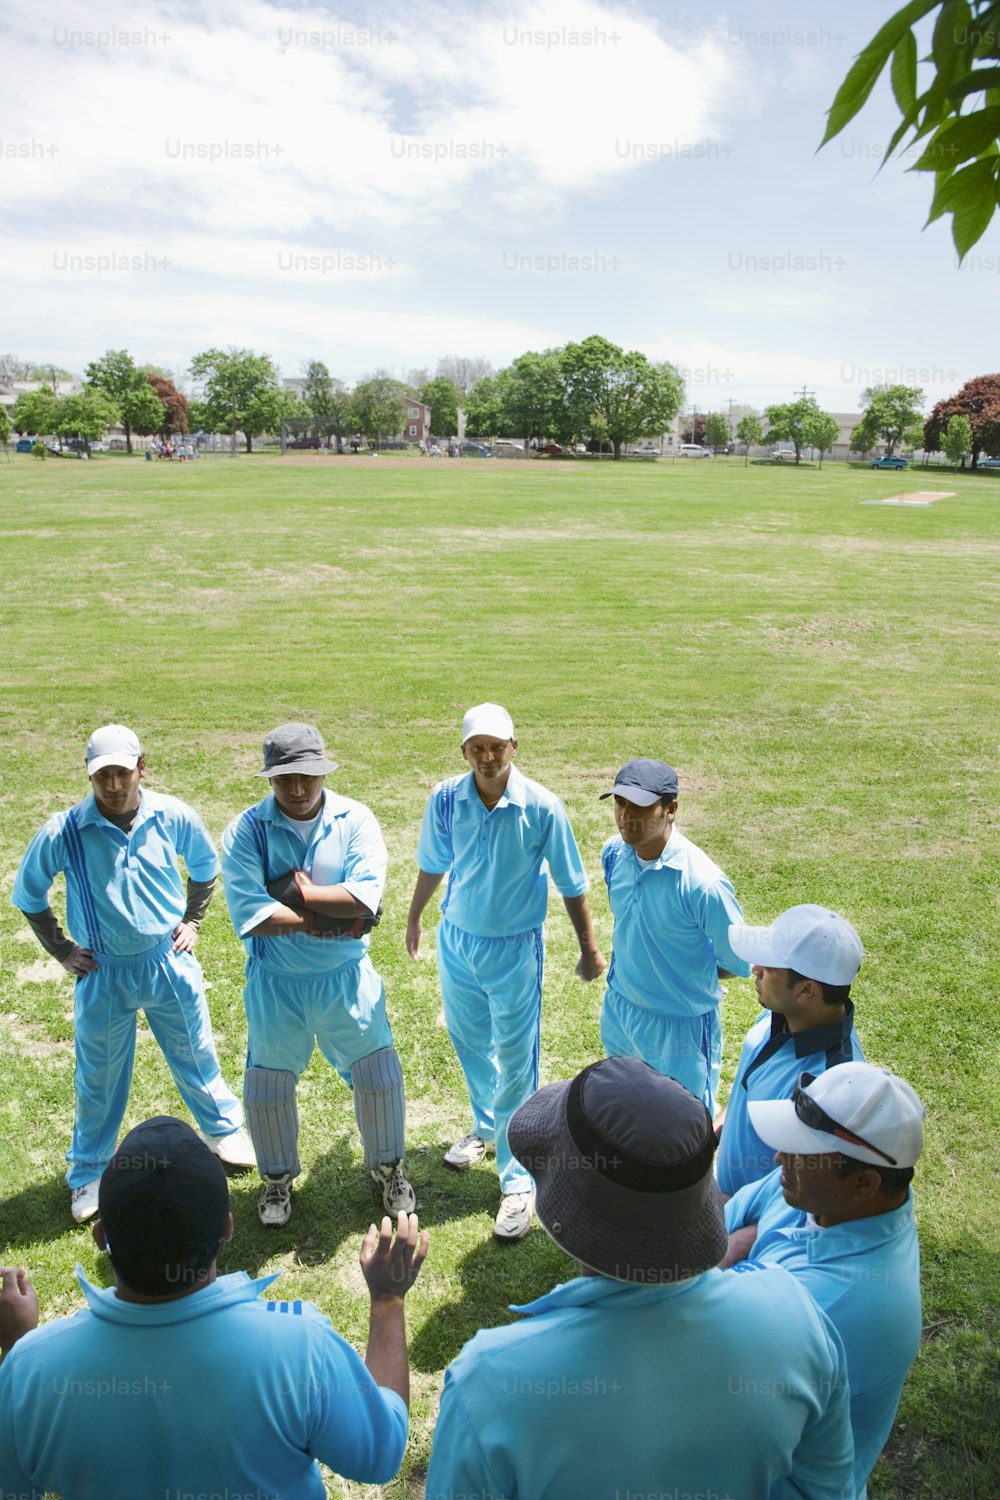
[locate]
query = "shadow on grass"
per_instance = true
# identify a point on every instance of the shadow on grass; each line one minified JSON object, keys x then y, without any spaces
{"x":37,"y":1214}
{"x":337,"y":1201}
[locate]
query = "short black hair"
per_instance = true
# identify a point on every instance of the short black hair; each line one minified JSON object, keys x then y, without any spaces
{"x":895,"y":1180}
{"x":833,"y":994}
{"x":164,"y":1280}
{"x":667,"y":801}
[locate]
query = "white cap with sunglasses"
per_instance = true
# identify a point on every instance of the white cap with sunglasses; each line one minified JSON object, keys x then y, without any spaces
{"x":857,"y":1109}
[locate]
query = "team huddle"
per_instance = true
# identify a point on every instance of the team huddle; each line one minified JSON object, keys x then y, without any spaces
{"x":665,"y":1205}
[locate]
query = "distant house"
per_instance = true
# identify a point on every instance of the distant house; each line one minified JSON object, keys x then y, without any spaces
{"x":417,"y":428}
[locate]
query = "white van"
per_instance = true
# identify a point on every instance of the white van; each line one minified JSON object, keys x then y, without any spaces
{"x":694,"y":450}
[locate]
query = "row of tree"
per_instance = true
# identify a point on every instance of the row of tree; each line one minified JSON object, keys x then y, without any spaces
{"x":591,"y":391}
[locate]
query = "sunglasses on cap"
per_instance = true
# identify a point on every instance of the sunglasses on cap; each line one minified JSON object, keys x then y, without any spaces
{"x":816,"y":1117}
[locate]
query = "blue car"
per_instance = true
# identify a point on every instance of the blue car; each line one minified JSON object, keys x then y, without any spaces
{"x":891,"y":463}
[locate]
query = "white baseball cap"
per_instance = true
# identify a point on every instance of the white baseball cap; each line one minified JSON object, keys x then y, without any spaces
{"x":488,"y":718}
{"x":809,"y":939}
{"x":857,"y":1109}
{"x":112,"y":745}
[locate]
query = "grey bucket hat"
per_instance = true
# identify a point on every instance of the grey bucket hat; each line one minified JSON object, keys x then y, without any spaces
{"x":295,"y":749}
{"x":622,"y":1162}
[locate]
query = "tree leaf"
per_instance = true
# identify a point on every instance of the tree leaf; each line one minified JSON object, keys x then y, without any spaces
{"x":967,"y":136}
{"x":975,"y":82}
{"x":971,"y":219}
{"x":904,"y":72}
{"x":951,"y":37}
{"x":973,"y":180}
{"x":864,"y":72}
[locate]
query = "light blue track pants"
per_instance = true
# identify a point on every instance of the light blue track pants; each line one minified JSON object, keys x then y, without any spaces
{"x":492,"y":993}
{"x":688,"y":1048}
{"x":169,"y":988}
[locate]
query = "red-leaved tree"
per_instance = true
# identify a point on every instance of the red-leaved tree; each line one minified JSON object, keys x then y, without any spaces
{"x":979,"y":400}
{"x":175,"y":406}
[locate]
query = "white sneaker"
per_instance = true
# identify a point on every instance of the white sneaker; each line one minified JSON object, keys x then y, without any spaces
{"x":397,"y":1194}
{"x":466,"y":1152}
{"x":83,"y":1201}
{"x":233,"y":1150}
{"x":274,"y":1206}
{"x":514,"y":1219}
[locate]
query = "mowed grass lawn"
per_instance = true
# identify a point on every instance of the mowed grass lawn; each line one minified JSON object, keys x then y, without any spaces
{"x":822,"y":673}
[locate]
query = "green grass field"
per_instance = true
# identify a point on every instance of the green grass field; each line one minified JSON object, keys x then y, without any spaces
{"x":822,"y":673}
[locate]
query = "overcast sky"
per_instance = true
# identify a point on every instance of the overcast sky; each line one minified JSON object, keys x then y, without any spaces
{"x":381,"y":186}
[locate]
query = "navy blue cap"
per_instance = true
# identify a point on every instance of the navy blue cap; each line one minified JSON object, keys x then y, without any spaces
{"x":644,"y":782}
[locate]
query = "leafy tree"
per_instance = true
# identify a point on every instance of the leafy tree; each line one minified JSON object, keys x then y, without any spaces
{"x":957,"y":440}
{"x":631,"y":396}
{"x":240,"y":393}
{"x":694,"y":432}
{"x":317,"y":392}
{"x":463,"y":372}
{"x":175,"y":411}
{"x":957,"y":114}
{"x":531,"y":397}
{"x":891,"y":413}
{"x":380,"y":406}
{"x":750,"y":432}
{"x":717,"y":434}
{"x":47,"y":372}
{"x":35,"y":411}
{"x":979,"y":400}
{"x":340,"y":420}
{"x":441,"y":395}
{"x":417,"y":377}
{"x":483,"y":408}
{"x":117,"y":375}
{"x":787,"y":423}
{"x":821,"y":432}
{"x":87,"y":416}
{"x":4,"y":426}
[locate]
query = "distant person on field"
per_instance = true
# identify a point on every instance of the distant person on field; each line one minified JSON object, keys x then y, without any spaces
{"x":837,"y":1215}
{"x":497,"y":836}
{"x":803,"y":966}
{"x":131,"y":947}
{"x":178,"y":1381}
{"x":650,"y":1372}
{"x":673,"y":909}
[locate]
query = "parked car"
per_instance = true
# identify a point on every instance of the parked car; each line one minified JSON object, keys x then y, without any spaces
{"x":694,"y":450}
{"x":550,"y":449}
{"x":891,"y":461}
{"x":783,"y":455}
{"x":988,"y":463}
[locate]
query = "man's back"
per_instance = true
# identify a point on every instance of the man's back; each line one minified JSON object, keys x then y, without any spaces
{"x":710,"y":1385}
{"x":215,"y":1392}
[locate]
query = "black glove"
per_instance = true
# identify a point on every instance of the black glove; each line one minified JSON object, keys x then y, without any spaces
{"x":285,"y":888}
{"x":352,"y":927}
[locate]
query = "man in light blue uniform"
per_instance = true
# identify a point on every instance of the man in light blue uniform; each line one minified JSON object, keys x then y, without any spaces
{"x":496,"y":835}
{"x":176,"y":1381}
{"x":803,"y":966}
{"x":133,"y":933}
{"x":673,"y":908}
{"x":651,"y":1370}
{"x":326,"y":855}
{"x":838,"y":1216}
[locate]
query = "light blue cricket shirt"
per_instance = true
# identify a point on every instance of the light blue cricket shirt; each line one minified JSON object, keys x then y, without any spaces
{"x":672,"y":921}
{"x":219,"y":1392}
{"x":344,"y":847}
{"x":865,"y":1275}
{"x":124,"y":892}
{"x":497,"y":862}
{"x":610,"y":1389}
{"x":771,"y":1061}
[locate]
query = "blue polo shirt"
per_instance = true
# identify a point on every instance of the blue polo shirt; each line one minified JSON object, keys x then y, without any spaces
{"x":865,"y":1275}
{"x":343,"y":847}
{"x":672,"y":921}
{"x":124,"y":891}
{"x":610,"y":1389}
{"x":770,"y":1064}
{"x":219,"y":1392}
{"x":497,"y":862}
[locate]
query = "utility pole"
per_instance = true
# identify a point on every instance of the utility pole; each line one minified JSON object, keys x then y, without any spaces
{"x":803,"y":394}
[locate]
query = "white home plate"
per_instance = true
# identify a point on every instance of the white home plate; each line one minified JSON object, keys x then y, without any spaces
{"x":917,"y":497}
